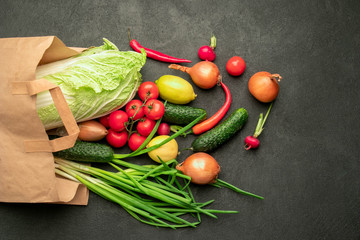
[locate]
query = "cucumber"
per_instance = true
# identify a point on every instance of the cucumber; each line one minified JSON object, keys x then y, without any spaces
{"x":181,"y":114}
{"x":87,"y":152}
{"x":217,"y":136}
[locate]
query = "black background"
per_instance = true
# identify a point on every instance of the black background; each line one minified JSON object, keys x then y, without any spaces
{"x":307,"y":167}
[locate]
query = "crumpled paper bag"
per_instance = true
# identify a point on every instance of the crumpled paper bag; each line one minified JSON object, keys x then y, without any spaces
{"x":27,"y":172}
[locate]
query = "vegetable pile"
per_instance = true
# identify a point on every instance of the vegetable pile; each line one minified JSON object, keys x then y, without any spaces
{"x":115,"y":109}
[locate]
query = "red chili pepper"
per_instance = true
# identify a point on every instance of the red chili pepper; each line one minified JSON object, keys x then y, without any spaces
{"x":156,"y":55}
{"x":213,"y":120}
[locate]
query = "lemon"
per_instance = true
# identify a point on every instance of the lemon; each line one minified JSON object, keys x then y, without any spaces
{"x":166,"y":152}
{"x":175,"y":89}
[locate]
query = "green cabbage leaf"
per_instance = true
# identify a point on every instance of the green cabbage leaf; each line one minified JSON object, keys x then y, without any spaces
{"x":94,"y":83}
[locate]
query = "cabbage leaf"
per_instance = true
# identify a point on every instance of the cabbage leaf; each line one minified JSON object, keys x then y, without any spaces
{"x":94,"y":83}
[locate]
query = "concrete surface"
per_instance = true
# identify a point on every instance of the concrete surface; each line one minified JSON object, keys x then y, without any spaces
{"x":307,"y":167}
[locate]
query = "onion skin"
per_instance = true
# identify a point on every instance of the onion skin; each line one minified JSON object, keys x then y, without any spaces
{"x":201,"y":167}
{"x":264,"y":86}
{"x":205,"y":74}
{"x":92,"y":131}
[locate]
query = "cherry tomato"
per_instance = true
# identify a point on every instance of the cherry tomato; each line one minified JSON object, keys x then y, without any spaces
{"x":117,"y":120}
{"x":235,"y":66}
{"x":154,"y":109}
{"x":135,"y":141}
{"x":105,"y":121}
{"x":164,"y":129}
{"x":145,"y":127}
{"x":134,"y":106}
{"x":117,"y":139}
{"x":148,"y":90}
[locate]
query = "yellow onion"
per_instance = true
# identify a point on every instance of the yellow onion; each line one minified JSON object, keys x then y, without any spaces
{"x":92,"y":131}
{"x":201,"y":167}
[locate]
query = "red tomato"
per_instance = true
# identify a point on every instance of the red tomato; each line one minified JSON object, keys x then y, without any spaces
{"x":145,"y":127}
{"x":135,"y":141}
{"x":134,"y":106}
{"x":148,"y":90}
{"x":117,"y":139}
{"x":105,"y":121}
{"x":235,"y":66}
{"x":164,"y":129}
{"x":117,"y":120}
{"x":154,"y":109}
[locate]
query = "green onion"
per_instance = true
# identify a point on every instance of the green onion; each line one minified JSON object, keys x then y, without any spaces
{"x":221,"y":183}
{"x":146,"y":196}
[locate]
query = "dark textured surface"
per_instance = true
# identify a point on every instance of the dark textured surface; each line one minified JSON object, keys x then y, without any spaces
{"x":307,"y":167}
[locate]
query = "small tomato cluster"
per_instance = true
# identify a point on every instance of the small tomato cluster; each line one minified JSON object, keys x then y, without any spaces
{"x":140,"y":114}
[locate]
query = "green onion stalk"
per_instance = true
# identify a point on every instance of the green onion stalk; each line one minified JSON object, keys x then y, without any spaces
{"x":152,"y":194}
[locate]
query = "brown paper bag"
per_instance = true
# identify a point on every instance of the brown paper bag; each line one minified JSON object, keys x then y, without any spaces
{"x":27,"y":172}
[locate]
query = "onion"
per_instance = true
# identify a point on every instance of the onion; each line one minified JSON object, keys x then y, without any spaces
{"x":264,"y":86}
{"x":201,"y":167}
{"x":92,"y":131}
{"x":204,"y":74}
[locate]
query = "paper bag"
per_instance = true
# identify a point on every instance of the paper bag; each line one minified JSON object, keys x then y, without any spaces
{"x":27,"y":172}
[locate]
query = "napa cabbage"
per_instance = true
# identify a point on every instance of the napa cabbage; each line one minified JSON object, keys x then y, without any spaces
{"x":94,"y":83}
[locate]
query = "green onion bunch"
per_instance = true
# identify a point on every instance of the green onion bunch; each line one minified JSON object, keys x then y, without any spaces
{"x":157,"y":195}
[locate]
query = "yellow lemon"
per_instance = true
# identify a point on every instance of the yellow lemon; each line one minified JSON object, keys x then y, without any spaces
{"x":166,"y":152}
{"x":175,"y":89}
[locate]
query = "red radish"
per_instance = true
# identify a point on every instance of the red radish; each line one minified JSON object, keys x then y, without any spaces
{"x":264,"y":87}
{"x":253,"y":141}
{"x":204,"y":74}
{"x":207,"y":53}
{"x":164,"y":129}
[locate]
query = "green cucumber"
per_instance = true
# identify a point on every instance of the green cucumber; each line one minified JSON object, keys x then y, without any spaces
{"x":87,"y":152}
{"x":181,"y":114}
{"x":217,"y":136}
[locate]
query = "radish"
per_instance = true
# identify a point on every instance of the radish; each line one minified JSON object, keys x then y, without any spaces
{"x":207,"y":53}
{"x":253,"y":141}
